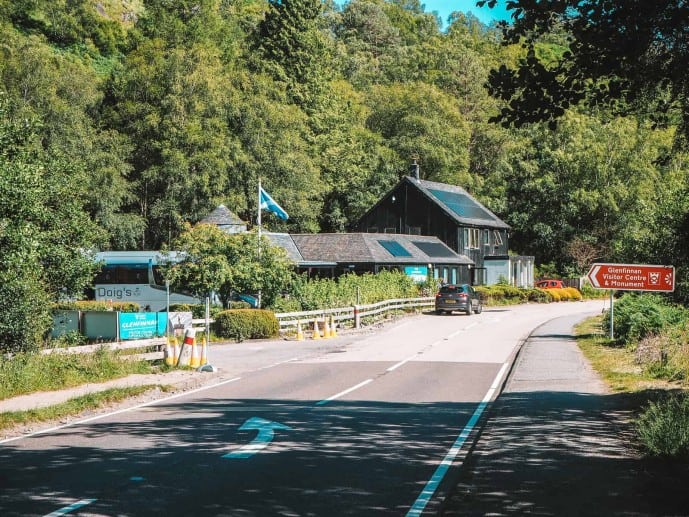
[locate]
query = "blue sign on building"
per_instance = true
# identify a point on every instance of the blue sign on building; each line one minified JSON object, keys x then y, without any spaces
{"x":417,"y":273}
{"x":142,"y":325}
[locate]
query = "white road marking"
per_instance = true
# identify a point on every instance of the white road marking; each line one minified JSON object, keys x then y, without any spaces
{"x":342,"y":393}
{"x":432,"y":485}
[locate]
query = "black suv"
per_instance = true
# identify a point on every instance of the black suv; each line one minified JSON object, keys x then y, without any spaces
{"x":460,"y":297}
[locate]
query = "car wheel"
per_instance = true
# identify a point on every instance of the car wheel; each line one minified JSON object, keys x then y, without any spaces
{"x":438,"y":312}
{"x":479,"y":308}
{"x":470,"y":309}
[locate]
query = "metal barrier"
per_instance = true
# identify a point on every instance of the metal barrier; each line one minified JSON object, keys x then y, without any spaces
{"x":290,"y":320}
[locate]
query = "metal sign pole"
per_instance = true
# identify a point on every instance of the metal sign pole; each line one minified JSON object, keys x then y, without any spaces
{"x":612,"y":314}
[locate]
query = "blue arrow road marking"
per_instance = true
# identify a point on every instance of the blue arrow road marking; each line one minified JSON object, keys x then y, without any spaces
{"x":68,"y":509}
{"x":266,"y":433}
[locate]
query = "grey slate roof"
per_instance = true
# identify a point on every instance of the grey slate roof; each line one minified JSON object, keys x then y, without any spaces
{"x":458,"y":204}
{"x":285,"y":241}
{"x":367,"y":247}
{"x":222,"y":216}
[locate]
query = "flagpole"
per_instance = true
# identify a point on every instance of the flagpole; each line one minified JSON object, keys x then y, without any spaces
{"x":258,"y":207}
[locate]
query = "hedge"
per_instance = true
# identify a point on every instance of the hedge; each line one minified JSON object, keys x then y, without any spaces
{"x":91,"y":305}
{"x":241,"y":324}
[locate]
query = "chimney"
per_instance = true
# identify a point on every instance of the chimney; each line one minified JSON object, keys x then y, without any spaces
{"x":414,"y":170}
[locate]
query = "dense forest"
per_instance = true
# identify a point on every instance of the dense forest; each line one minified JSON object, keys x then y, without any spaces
{"x":121,"y":120}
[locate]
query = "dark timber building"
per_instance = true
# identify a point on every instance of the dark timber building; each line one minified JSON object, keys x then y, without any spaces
{"x":451,"y":214}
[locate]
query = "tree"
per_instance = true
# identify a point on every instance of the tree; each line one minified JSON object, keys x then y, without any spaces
{"x":228,"y":264}
{"x":169,"y":99}
{"x":292,"y":50}
{"x":589,"y":180}
{"x":631,"y":56}
{"x":419,"y":121}
{"x":45,"y":233}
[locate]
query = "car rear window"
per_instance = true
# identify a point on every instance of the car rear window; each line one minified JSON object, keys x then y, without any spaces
{"x":451,"y":289}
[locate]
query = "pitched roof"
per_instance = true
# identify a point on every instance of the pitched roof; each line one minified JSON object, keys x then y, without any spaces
{"x":285,"y":241}
{"x":458,"y":204}
{"x":222,"y":216}
{"x":378,"y":248}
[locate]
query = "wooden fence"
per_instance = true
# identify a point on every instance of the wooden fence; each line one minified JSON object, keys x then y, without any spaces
{"x":153,"y":349}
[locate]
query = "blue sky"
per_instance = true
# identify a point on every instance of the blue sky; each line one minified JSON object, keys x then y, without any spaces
{"x":486,"y":15}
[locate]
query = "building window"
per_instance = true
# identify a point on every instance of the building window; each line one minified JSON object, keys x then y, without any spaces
{"x":486,"y":238}
{"x":497,"y":237}
{"x":471,"y":238}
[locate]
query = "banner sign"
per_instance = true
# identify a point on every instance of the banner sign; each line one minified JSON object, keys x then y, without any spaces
{"x":142,"y":325}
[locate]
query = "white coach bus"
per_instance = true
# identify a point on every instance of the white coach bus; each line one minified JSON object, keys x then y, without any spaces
{"x":134,"y":276}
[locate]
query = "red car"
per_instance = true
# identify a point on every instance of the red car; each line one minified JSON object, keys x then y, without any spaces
{"x":550,"y":284}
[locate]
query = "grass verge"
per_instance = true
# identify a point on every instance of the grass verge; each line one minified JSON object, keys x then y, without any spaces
{"x":72,"y":407}
{"x":661,"y":404}
{"x":615,"y":363}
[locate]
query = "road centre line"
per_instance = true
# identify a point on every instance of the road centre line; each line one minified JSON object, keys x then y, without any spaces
{"x":345,"y":392}
{"x":437,"y":342}
{"x":432,"y":485}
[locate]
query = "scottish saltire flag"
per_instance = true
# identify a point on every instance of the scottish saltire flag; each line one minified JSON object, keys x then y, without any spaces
{"x":268,"y":203}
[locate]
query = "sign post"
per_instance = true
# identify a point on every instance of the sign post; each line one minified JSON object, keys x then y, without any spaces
{"x":631,"y":277}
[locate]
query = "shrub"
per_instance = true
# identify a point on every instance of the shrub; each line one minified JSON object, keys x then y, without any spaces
{"x":501,"y":294}
{"x":562,"y":294}
{"x":198,"y":310}
{"x":663,"y":427}
{"x":639,"y":315}
{"x":324,"y":293}
{"x":92,"y":305}
{"x":241,"y":324}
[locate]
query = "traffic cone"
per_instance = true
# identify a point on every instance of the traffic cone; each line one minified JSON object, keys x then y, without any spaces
{"x":300,"y":334}
{"x":204,"y":351}
{"x":195,"y":356}
{"x":333,"y":330}
{"x":169,"y":353}
{"x":326,"y":329}
{"x":316,"y":332}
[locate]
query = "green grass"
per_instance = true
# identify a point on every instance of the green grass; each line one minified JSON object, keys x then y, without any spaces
{"x":658,"y":394}
{"x":73,"y":406}
{"x":615,"y":363}
{"x":29,"y":373}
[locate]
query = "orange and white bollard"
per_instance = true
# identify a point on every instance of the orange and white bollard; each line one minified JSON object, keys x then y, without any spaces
{"x":300,"y":333}
{"x":333,"y":330}
{"x":169,"y":353}
{"x":175,"y":351}
{"x":185,"y":352}
{"x":195,"y":356}
{"x":204,"y":351}
{"x":316,"y":331}
{"x":326,"y":328}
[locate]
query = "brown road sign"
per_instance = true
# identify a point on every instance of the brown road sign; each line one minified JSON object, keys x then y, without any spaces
{"x":632,"y":277}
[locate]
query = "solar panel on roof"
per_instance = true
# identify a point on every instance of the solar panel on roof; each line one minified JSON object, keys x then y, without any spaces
{"x":433,"y":249}
{"x":462,"y":205}
{"x":394,"y":248}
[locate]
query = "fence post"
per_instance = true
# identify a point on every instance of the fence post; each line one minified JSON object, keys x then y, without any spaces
{"x":357,"y":318}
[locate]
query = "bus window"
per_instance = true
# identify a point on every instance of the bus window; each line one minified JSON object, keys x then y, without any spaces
{"x":158,"y":276}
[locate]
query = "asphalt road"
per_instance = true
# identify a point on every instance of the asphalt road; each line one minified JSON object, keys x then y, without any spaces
{"x":354,"y":426}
